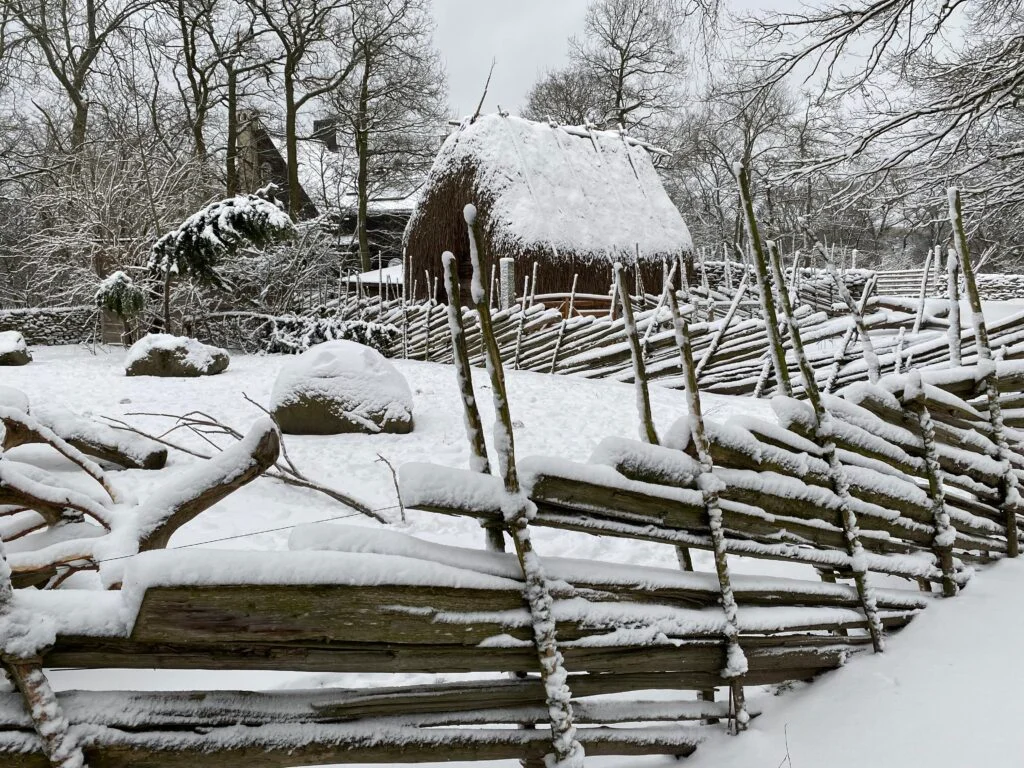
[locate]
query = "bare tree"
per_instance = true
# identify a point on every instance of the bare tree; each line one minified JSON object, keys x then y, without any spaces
{"x":305,"y":34}
{"x":395,"y":104}
{"x":569,"y":96}
{"x":935,"y":89}
{"x":69,"y":36}
{"x":633,"y":49}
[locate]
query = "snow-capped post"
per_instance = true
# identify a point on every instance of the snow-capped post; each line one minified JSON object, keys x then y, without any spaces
{"x":836,"y":474}
{"x":26,"y":673}
{"x":478,"y":461}
{"x":710,"y":486}
{"x":507,"y":268}
{"x":643,"y":395}
{"x":945,"y":533}
{"x":533,"y":283}
{"x":955,"y":331}
{"x":197,"y":245}
{"x":564,"y":322}
{"x":771,"y":319}
{"x":517,"y":510}
{"x":1009,"y":495}
{"x":926,"y":274}
{"x":857,"y":313}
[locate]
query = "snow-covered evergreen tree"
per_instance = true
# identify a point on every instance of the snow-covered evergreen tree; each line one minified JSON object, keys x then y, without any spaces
{"x":197,"y":245}
{"x":119,"y":294}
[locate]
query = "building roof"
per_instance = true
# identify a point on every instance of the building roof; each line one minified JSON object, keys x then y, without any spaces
{"x":562,"y":190}
{"x":328,"y":177}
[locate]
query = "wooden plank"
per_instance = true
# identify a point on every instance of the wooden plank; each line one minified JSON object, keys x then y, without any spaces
{"x":693,"y":664}
{"x":271,"y":747}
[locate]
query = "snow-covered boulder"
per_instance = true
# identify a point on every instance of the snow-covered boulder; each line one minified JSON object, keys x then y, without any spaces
{"x":161,"y":354}
{"x":341,"y":386}
{"x":13,"y":349}
{"x":13,"y":398}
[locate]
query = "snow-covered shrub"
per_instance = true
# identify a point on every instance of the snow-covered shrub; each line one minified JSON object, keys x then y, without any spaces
{"x":294,"y":335}
{"x":338,"y":387}
{"x":120,"y":295}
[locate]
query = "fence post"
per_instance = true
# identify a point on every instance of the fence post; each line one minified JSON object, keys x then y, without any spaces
{"x":517,"y":510}
{"x":643,"y":395}
{"x":478,"y":461}
{"x":953,"y":294}
{"x":837,"y":476}
{"x":507,"y":283}
{"x":771,"y":318}
{"x":709,"y":486}
{"x":945,"y":533}
{"x":60,"y":748}
{"x":565,"y":320}
{"x":1008,"y":491}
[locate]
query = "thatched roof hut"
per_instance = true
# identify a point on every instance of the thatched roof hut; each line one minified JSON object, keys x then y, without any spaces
{"x":573,"y":200}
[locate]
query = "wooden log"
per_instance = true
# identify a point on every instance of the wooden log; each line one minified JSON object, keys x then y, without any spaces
{"x":180,"y":499}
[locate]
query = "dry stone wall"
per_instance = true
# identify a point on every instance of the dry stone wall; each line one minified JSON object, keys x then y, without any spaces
{"x":52,"y":325}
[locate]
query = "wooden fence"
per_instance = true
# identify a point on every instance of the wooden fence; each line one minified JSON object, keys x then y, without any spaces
{"x":931,"y":502}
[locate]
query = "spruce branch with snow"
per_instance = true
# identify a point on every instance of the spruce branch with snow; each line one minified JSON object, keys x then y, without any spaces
{"x":197,"y":245}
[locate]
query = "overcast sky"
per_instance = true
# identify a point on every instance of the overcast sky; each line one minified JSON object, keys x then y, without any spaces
{"x":527,"y":37}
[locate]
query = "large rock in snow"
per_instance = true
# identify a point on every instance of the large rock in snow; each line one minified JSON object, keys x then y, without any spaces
{"x":13,"y":398}
{"x":13,"y":349}
{"x":341,"y":386}
{"x":161,"y":354}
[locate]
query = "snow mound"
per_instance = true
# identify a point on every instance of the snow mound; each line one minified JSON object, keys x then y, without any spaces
{"x":13,"y":398}
{"x":161,"y":354}
{"x":13,"y":349}
{"x":341,"y":386}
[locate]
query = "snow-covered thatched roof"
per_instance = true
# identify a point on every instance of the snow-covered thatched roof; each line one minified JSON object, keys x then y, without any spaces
{"x":555,"y":189}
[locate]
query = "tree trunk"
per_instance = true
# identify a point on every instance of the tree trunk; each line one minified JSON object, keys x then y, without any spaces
{"x":291,"y":143}
{"x":167,"y":302}
{"x":79,"y":124}
{"x":231,"y":154}
{"x":362,"y":179}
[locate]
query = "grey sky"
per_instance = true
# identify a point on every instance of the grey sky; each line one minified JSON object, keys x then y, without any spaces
{"x":527,"y":37}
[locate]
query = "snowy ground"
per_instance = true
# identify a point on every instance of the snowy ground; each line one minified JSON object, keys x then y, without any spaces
{"x":922,"y":695}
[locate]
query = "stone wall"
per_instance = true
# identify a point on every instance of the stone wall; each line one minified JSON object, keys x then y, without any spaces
{"x":56,"y":325}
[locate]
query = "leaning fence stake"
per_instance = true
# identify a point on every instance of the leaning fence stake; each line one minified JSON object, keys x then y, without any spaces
{"x":837,"y":476}
{"x":776,"y":349}
{"x":945,"y":533}
{"x":1009,"y":494}
{"x":518,"y":509}
{"x":710,"y":486}
{"x":643,"y":394}
{"x":464,"y":374}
